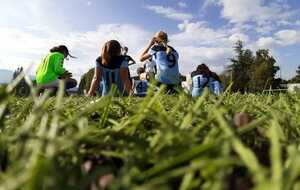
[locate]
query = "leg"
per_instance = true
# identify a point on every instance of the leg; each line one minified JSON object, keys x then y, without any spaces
{"x":51,"y":86}
{"x":70,"y":83}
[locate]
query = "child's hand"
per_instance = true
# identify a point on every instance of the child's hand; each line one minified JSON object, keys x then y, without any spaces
{"x":153,"y":41}
{"x":66,"y":75}
{"x":90,"y":94}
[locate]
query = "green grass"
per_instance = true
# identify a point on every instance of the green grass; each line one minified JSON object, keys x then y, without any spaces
{"x":159,"y":142}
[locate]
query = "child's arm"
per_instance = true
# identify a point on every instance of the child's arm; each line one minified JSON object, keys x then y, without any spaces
{"x":95,"y":81}
{"x":125,"y":78}
{"x":58,"y":65}
{"x":145,"y":55}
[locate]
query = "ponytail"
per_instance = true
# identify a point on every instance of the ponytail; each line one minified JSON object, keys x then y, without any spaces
{"x":106,"y":57}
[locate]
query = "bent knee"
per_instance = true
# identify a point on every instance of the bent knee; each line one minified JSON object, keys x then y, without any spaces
{"x":71,"y":83}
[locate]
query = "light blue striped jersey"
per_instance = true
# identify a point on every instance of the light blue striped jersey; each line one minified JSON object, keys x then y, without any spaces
{"x":111,"y":74}
{"x":200,"y":81}
{"x":167,"y":65}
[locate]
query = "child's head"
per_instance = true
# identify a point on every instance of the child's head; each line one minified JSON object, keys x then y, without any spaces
{"x":142,"y":73}
{"x":61,"y":49}
{"x":203,"y":69}
{"x":140,"y":70}
{"x":161,"y":37}
{"x":110,"y":49}
{"x":125,"y":50}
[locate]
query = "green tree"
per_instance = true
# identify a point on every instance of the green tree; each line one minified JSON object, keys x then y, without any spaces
{"x":298,"y":74}
{"x":226,"y":79}
{"x":252,"y":73}
{"x":240,"y":66}
{"x":296,"y":79}
{"x":262,"y":71}
{"x":86,"y":81}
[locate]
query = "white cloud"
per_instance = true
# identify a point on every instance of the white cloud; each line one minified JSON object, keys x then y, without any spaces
{"x":288,"y":37}
{"x":182,"y":4}
{"x":267,"y":42}
{"x":197,"y":33}
{"x":239,"y":37}
{"x":169,"y":12}
{"x":21,"y":47}
{"x":34,"y":12}
{"x":265,"y":28}
{"x":201,"y":35}
{"x":198,"y":43}
{"x":215,"y":58}
{"x":264,"y":16}
{"x":244,"y":10}
{"x":207,"y":3}
{"x":281,"y":38}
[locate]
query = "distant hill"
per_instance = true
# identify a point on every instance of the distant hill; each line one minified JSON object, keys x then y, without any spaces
{"x":5,"y":76}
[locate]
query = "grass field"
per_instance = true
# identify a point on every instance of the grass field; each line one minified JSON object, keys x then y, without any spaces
{"x":159,"y":142}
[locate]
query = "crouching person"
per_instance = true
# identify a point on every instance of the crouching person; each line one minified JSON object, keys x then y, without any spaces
{"x":111,"y":69}
{"x":50,"y":72}
{"x":202,"y":78}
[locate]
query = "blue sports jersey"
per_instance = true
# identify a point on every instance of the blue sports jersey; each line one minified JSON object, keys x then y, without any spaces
{"x":111,"y":74}
{"x":216,"y":87}
{"x":167,"y":65}
{"x":141,"y":88}
{"x":199,"y":83}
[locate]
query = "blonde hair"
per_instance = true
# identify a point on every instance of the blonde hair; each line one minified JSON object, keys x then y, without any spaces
{"x":162,"y":36}
{"x":110,"y":49}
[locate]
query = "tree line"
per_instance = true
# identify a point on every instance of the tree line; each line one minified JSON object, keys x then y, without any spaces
{"x":251,"y":72}
{"x":296,"y":79}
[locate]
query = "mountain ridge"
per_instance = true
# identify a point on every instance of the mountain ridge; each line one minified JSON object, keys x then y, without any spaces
{"x":5,"y":76}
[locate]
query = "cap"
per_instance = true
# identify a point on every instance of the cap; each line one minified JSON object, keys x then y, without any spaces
{"x":66,"y":50}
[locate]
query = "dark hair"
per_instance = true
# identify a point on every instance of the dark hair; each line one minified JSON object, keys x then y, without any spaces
{"x":110,"y":49}
{"x":140,"y":70}
{"x":61,"y":49}
{"x":204,"y":70}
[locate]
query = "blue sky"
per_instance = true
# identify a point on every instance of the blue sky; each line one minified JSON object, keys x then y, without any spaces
{"x":201,"y":30}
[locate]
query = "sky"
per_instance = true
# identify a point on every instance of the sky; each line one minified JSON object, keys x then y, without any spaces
{"x":201,"y":30}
